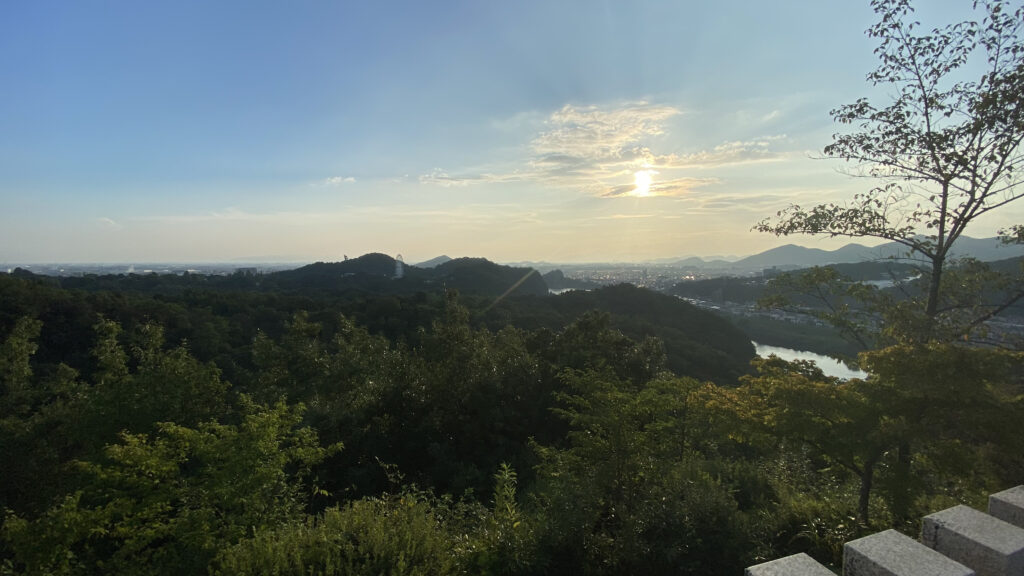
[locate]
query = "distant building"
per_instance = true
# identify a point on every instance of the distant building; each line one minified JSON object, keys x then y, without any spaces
{"x":399,"y":267}
{"x":247,"y":271}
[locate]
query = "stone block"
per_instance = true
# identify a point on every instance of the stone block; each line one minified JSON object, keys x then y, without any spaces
{"x":990,"y":546}
{"x":1008,"y":506}
{"x":890,"y":553}
{"x":795,"y":565}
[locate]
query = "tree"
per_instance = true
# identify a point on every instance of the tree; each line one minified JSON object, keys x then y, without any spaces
{"x":629,"y":493}
{"x":797,"y":402}
{"x":410,"y":534}
{"x":168,"y":502}
{"x":15,"y":367}
{"x":953,"y":406}
{"x":945,"y":149}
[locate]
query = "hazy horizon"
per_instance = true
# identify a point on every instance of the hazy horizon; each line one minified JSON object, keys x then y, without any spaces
{"x":243,"y":261}
{"x":568,"y":132}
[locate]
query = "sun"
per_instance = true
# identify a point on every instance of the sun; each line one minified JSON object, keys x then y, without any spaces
{"x":642,"y":179}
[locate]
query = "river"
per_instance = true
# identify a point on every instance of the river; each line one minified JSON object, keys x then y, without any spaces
{"x":829,"y":366}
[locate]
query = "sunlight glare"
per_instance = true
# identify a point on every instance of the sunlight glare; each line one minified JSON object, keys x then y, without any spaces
{"x":642,"y":179}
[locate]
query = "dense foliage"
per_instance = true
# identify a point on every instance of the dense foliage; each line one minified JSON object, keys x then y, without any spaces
{"x":258,"y":432}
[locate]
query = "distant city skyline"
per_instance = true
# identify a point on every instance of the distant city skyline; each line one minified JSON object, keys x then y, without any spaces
{"x":527,"y":131}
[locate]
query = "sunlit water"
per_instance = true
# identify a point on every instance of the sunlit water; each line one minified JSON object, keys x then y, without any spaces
{"x":829,"y":366}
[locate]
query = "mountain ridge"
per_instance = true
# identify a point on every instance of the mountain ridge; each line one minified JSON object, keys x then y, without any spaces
{"x":381,"y":273}
{"x":984,"y":249}
{"x":796,"y":256}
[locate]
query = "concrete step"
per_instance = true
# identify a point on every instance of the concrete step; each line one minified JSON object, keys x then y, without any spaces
{"x":990,"y":546}
{"x":890,"y":553}
{"x":1008,"y":506}
{"x":959,"y":541}
{"x":795,"y":565}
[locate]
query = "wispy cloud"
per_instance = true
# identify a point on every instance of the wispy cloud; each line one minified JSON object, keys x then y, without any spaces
{"x":489,"y":214}
{"x":337,"y":181}
{"x":600,"y":150}
{"x":725,"y":154}
{"x":625,"y":216}
{"x":594,"y":134}
{"x":237,"y":215}
{"x":108,"y":223}
{"x":439,"y":177}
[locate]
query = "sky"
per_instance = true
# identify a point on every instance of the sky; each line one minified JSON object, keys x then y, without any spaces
{"x":558,"y":131}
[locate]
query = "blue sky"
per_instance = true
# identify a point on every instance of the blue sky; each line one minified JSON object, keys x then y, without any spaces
{"x":559,"y":131}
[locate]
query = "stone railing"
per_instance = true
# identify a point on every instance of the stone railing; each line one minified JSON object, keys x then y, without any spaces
{"x":959,"y":541}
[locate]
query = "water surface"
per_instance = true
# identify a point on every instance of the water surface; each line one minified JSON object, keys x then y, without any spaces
{"x":829,"y":366}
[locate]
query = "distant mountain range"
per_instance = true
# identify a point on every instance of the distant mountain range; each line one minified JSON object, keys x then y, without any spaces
{"x":792,"y":256}
{"x":374,"y":268}
{"x":379,"y":272}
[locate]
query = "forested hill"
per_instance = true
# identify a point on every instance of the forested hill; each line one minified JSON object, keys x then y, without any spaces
{"x":196,"y":424}
{"x":697,"y":343}
{"x":369,"y":290}
{"x":371,"y":273}
{"x":219,"y":316}
{"x":478,"y":275}
{"x":380,"y":273}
